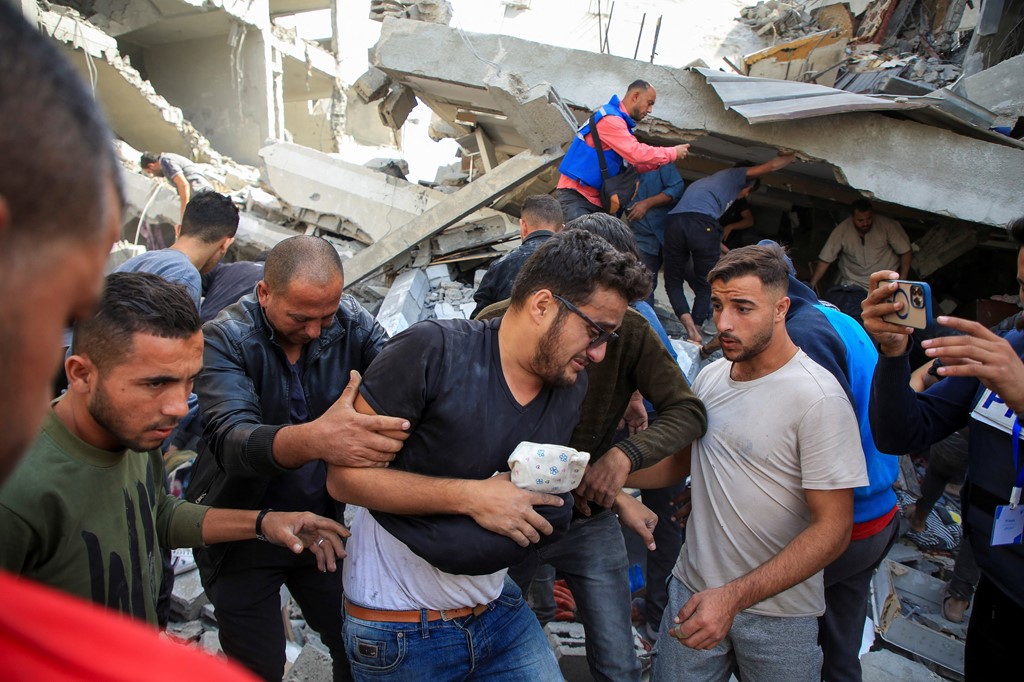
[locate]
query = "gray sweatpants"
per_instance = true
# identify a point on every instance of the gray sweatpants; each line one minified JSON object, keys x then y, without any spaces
{"x":762,"y":648}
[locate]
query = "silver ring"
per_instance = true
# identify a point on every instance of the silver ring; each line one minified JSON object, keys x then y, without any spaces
{"x":319,"y":542}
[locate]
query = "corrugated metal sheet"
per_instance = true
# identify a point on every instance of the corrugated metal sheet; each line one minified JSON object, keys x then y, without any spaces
{"x":764,"y":100}
{"x":761,"y":100}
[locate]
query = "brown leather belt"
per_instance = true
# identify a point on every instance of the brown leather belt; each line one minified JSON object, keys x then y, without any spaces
{"x":380,"y":616}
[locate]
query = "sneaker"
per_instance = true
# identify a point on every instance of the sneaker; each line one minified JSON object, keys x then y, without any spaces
{"x":953,"y":608}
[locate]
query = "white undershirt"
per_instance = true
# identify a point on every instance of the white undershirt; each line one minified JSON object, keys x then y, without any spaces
{"x":381,"y":572}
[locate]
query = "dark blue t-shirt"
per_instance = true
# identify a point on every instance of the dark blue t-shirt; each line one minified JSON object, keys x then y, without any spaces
{"x":445,"y":377}
{"x":712,"y":196}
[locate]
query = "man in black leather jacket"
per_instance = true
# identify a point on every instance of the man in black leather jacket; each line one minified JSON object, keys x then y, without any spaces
{"x":275,"y":410}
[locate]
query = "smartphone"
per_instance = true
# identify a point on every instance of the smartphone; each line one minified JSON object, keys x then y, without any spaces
{"x":917,"y":304}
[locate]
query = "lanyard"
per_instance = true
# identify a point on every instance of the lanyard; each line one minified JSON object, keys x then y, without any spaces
{"x":1019,"y":483}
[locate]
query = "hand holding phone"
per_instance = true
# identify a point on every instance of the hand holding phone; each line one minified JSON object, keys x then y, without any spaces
{"x":916,"y":298}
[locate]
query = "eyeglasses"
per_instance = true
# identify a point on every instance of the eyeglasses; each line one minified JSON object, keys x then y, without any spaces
{"x":603,"y":335}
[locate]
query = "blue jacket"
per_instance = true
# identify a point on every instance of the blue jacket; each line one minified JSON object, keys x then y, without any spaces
{"x":905,"y":421}
{"x":836,"y":342}
{"x":580,"y":162}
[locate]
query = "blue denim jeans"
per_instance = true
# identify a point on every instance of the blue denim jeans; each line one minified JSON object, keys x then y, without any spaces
{"x":592,"y":559}
{"x":503,"y":644}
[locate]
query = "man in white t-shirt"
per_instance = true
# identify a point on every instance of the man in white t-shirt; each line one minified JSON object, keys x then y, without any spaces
{"x":772,"y":498}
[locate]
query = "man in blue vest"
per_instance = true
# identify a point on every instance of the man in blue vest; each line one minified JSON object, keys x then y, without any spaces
{"x":579,"y":187}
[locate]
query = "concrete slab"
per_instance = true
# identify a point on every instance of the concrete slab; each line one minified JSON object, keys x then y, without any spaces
{"x":463,"y":203}
{"x":886,"y":666}
{"x":312,"y":665}
{"x":188,"y":597}
{"x":999,"y":88}
{"x":403,"y":306}
{"x":133,"y":108}
{"x":373,"y":204}
{"x":910,"y":164}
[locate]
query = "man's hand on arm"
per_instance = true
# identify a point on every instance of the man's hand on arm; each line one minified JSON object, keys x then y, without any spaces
{"x":706,"y":618}
{"x":501,"y":507}
{"x":294,"y":530}
{"x":982,"y":354}
{"x":603,"y":479}
{"x":342,"y":436}
{"x":892,"y":339}
{"x":635,"y":416}
{"x":640,"y":208}
{"x":494,"y":503}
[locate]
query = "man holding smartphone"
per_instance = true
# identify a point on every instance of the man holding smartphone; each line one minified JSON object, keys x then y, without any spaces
{"x":983,"y":388}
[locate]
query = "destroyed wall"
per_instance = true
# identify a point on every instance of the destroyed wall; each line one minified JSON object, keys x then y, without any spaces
{"x":897,"y":161}
{"x":235,"y":103}
{"x":239,"y":79}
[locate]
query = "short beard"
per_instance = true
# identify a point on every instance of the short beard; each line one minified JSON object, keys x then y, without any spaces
{"x":548,"y":347}
{"x":760,"y":341}
{"x":102,"y":412}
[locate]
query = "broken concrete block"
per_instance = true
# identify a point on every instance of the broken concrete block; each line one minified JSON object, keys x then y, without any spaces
{"x":537,"y":113}
{"x":187,"y":598}
{"x":208,"y":614}
{"x":478,"y":277}
{"x":396,"y":168}
{"x":446,"y":311}
{"x":433,"y":11}
{"x":403,"y":306}
{"x":885,"y":666}
{"x":569,"y":644}
{"x":396,"y":107}
{"x":439,"y":129}
{"x":372,"y":85}
{"x":436,"y":274}
{"x":467,"y":310}
{"x":122,"y":251}
{"x":210,"y":642}
{"x":999,"y":88}
{"x":189,"y":631}
{"x":313,"y":664}
{"x":451,"y":176}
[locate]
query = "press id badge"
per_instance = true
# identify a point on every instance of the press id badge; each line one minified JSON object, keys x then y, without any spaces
{"x":1008,"y":527}
{"x":1008,"y":524}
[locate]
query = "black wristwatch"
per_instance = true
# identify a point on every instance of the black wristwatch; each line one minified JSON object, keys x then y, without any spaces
{"x":259,"y":525}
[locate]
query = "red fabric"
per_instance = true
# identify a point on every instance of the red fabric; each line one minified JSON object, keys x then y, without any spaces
{"x":49,"y":636}
{"x":868,"y":528}
{"x":615,"y":135}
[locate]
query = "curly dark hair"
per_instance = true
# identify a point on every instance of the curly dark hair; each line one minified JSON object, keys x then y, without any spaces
{"x":574,"y":264}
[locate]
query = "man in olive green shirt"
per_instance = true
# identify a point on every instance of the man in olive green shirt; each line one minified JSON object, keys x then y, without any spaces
{"x":87,"y":510}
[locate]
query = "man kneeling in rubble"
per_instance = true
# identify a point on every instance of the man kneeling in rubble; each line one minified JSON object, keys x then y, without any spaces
{"x":427,"y":597}
{"x":86,"y":512}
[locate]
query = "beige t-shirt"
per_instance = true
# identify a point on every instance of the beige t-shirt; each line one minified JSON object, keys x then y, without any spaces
{"x":880,"y":249}
{"x":767,"y":440}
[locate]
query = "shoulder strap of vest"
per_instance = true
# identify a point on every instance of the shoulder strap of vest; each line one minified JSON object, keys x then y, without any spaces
{"x":598,"y":147}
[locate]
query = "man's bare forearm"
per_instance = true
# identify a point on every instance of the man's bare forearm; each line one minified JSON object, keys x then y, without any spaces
{"x":399,"y":492}
{"x":813,"y":549}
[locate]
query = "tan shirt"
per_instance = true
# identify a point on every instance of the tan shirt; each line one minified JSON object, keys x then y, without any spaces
{"x":768,"y":440}
{"x":880,"y":249}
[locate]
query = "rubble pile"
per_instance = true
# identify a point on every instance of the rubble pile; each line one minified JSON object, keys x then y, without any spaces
{"x":434,"y":11}
{"x":922,"y":41}
{"x":193,"y":621}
